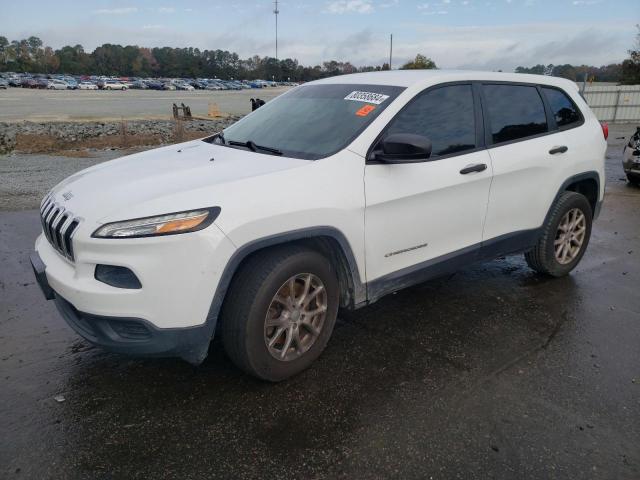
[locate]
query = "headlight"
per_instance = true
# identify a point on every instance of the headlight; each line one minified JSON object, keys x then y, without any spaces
{"x":170,"y":224}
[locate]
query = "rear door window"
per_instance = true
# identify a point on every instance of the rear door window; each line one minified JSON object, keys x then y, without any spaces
{"x":515,"y":112}
{"x":562,"y":107}
{"x":444,"y":115}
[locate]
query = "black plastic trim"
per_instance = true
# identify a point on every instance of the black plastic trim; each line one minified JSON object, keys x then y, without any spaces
{"x":117,"y":276}
{"x":39,"y":270}
{"x":189,"y":343}
{"x":359,"y":288}
{"x":450,"y":262}
{"x":214,"y":212}
{"x":590,"y":175}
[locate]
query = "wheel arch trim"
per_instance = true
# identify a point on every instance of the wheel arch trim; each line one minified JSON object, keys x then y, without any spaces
{"x":589,"y":175}
{"x":359,"y":288}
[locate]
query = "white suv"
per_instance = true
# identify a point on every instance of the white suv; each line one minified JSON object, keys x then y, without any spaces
{"x":334,"y":194}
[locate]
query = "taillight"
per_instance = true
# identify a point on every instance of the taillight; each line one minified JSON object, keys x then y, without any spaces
{"x":605,"y":129}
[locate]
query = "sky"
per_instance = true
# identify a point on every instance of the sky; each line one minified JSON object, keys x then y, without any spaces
{"x":471,"y":34}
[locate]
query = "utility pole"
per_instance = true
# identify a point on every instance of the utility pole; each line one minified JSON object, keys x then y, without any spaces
{"x":276,"y":12}
{"x":390,"y":51}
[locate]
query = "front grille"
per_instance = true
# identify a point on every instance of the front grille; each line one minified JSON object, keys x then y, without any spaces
{"x":58,"y":225}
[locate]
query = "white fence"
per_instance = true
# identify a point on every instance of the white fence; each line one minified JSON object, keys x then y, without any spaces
{"x":615,"y":104}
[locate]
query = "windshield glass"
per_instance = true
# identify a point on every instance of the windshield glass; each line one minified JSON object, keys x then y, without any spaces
{"x":312,"y":121}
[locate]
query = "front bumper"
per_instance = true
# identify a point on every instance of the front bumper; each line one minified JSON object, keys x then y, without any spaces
{"x":168,"y":316}
{"x":134,"y":336}
{"x":631,"y":161}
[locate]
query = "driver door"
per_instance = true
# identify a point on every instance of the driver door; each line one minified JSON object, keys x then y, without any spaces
{"x":420,"y":216}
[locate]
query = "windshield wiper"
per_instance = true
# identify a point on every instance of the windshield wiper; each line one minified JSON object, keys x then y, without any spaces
{"x":253,"y":147}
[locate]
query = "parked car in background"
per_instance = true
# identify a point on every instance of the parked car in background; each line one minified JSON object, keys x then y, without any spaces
{"x":168,"y":86}
{"x":55,"y":84}
{"x":27,"y":82}
{"x":154,"y":85}
{"x":42,"y":83}
{"x":139,"y":85}
{"x":72,"y":83}
{"x":213,"y":86}
{"x":113,"y":85}
{"x":86,"y":85}
{"x":631,"y":158}
{"x":4,"y":83}
{"x":184,"y":86}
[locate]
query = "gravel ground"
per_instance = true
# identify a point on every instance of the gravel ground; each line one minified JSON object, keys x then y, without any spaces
{"x":27,"y":178}
{"x":52,"y":137}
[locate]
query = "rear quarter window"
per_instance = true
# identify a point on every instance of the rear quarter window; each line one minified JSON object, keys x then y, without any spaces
{"x":565,"y":112}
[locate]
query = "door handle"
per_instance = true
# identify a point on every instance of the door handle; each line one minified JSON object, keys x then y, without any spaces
{"x":477,"y":167}
{"x":556,"y":150}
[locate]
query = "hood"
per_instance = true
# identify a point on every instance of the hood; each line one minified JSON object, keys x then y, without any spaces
{"x":126,"y":183}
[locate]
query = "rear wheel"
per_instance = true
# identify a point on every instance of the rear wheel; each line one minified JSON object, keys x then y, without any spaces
{"x":280,"y":312}
{"x":633,"y":179}
{"x":565,"y":236}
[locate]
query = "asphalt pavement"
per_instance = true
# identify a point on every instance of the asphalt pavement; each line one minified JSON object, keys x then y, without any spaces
{"x":493,"y":372}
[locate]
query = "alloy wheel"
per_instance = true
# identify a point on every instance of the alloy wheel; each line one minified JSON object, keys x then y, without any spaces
{"x":570,"y":236}
{"x":295,"y":317}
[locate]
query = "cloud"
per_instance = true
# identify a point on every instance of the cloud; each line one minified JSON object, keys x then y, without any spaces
{"x":349,"y":6}
{"x":166,"y":10}
{"x":482,"y":47}
{"x":116,"y":11}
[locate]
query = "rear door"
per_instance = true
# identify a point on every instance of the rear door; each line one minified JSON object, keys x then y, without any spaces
{"x":419,"y":213}
{"x":527,"y":151}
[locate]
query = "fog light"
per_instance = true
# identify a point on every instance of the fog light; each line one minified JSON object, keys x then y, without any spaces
{"x":120,"y":277}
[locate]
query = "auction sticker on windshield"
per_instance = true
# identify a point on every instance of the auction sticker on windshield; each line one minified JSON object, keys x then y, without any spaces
{"x":367,"y":97}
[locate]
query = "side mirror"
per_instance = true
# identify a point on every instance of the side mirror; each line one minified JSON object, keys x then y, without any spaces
{"x":404,"y":148}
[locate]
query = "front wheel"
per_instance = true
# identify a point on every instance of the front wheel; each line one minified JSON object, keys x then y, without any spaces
{"x":565,"y":236}
{"x":280,"y":311}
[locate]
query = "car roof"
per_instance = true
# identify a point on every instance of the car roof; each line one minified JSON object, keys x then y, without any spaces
{"x":410,"y":78}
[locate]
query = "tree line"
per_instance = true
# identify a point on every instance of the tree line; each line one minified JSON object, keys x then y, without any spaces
{"x":626,"y":73}
{"x":30,"y":55}
{"x":606,"y":73}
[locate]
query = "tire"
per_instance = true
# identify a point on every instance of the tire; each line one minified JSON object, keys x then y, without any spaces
{"x":542,"y":258}
{"x":633,"y":179}
{"x":107,"y":88}
{"x":251,"y":299}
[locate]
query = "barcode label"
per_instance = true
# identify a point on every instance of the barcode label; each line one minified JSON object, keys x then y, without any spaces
{"x":367,"y":97}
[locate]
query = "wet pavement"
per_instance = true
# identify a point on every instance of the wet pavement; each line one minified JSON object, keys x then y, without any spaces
{"x":494,"y":372}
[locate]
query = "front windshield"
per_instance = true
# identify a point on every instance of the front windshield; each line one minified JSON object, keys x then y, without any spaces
{"x":312,"y":121}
